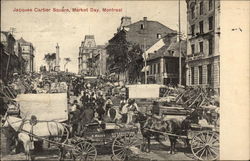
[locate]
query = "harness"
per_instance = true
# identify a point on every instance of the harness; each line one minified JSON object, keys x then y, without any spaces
{"x":33,"y":122}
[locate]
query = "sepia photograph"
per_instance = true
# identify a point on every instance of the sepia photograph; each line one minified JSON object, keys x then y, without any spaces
{"x":105,"y":80}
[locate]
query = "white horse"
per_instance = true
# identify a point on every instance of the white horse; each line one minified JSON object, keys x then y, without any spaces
{"x":27,"y":132}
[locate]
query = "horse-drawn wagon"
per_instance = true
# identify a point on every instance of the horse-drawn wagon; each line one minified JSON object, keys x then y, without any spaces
{"x":42,"y":118}
{"x":123,"y":141}
{"x":201,"y":138}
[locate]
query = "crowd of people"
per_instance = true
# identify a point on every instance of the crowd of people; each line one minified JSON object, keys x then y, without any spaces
{"x":97,"y":103}
{"x":97,"y":100}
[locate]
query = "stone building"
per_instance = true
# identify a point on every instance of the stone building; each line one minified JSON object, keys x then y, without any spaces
{"x":144,"y":33}
{"x":21,"y":60}
{"x":163,"y":61}
{"x":28,"y":54}
{"x":92,"y":57}
{"x":203,"y":56}
{"x":8,"y":59}
{"x":86,"y":51}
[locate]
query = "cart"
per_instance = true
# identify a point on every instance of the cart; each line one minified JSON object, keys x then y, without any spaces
{"x":124,"y":141}
{"x":204,"y":141}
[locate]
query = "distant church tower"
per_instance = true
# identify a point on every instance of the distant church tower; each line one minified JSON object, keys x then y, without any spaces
{"x":57,"y":67}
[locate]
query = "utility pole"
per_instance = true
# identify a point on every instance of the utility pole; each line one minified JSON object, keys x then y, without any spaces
{"x":179,"y":37}
{"x":145,"y":60}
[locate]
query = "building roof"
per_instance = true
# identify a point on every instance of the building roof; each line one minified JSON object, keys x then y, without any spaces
{"x":135,"y":34}
{"x":151,"y":24}
{"x":24,"y":42}
{"x":152,"y":28}
{"x":6,"y":34}
{"x":170,"y":49}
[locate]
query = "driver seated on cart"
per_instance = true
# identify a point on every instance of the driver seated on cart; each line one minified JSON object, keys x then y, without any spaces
{"x":129,"y":112}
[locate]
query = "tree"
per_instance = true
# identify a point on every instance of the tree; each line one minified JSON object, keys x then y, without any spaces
{"x":135,"y":63}
{"x":67,"y":60}
{"x":117,"y":51}
{"x":50,"y":59}
{"x":43,"y":68}
{"x":124,"y":56}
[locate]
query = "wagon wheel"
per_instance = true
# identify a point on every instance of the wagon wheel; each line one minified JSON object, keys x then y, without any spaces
{"x":84,"y":151}
{"x":124,"y":146}
{"x":205,"y":145}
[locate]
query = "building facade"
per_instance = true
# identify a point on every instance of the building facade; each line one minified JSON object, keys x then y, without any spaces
{"x":163,"y":62}
{"x":203,"y":56}
{"x":28,"y":53}
{"x":86,"y":52}
{"x":92,"y":57}
{"x":10,"y":58}
{"x":144,"y":33}
{"x":21,"y":60}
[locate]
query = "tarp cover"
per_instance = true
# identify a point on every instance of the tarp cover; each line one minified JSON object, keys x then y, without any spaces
{"x":44,"y":106}
{"x":144,"y":91}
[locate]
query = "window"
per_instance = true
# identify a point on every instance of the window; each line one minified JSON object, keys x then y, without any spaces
{"x":210,"y":4}
{"x":201,"y":46}
{"x":192,"y":75}
{"x":192,"y":29}
{"x":192,"y":48}
{"x":151,"y":69}
{"x":200,"y":74}
{"x":158,"y":36}
{"x":172,"y":67}
{"x":192,"y":11}
{"x":201,"y":27}
{"x":209,"y":74}
{"x":154,"y":68}
{"x":142,"y":26}
{"x":159,"y":68}
{"x":210,"y":22}
{"x":210,"y":46}
{"x":201,"y":8}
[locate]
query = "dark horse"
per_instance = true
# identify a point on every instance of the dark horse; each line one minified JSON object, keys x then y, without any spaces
{"x":152,"y":126}
{"x":148,"y":122}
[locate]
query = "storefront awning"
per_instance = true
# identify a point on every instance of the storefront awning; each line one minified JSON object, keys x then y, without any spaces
{"x":145,"y":69}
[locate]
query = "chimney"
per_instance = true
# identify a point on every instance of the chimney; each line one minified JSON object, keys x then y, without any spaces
{"x":125,"y":21}
{"x":144,"y":19}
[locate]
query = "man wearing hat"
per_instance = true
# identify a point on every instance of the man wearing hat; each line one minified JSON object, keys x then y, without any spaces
{"x":132,"y":109}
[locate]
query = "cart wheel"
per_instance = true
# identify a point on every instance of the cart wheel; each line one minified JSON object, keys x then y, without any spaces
{"x":84,"y":151}
{"x":124,"y":146}
{"x":205,"y":145}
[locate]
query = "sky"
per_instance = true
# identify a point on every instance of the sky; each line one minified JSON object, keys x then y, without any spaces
{"x":46,"y":29}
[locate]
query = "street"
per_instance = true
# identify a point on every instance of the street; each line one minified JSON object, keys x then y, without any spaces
{"x":158,"y":152}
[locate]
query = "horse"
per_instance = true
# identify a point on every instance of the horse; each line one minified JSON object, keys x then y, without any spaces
{"x":180,"y":128}
{"x":173,"y":128}
{"x":29,"y":131}
{"x":146,"y":123}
